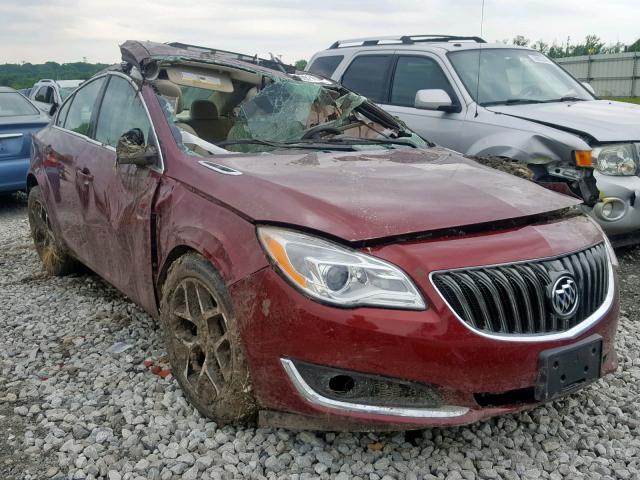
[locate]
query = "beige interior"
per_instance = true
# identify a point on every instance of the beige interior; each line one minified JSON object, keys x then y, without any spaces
{"x":200,"y":78}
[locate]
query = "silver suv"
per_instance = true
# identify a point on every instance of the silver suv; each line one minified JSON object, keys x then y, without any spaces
{"x":503,"y":102}
{"x":46,"y":93}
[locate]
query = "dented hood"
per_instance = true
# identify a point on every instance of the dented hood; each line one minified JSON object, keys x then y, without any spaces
{"x":604,"y":120}
{"x":360,"y":196}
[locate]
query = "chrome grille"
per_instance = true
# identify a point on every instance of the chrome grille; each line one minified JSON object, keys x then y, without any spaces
{"x":514,"y":298}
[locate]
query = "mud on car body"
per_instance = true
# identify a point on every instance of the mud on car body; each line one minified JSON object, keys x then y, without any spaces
{"x":311,"y":261}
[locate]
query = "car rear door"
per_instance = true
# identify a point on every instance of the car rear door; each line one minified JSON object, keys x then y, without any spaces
{"x":369,"y":74}
{"x":64,"y":147}
{"x":118,"y":207}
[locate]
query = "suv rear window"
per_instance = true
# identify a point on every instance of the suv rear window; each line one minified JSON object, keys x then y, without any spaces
{"x":367,"y":75}
{"x":325,"y":66}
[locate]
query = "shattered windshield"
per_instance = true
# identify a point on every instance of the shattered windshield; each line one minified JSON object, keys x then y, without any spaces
{"x":235,"y":112}
{"x":510,"y":76}
{"x":285,"y":111}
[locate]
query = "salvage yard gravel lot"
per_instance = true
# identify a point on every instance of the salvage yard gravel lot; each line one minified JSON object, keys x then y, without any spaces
{"x":83,"y":394}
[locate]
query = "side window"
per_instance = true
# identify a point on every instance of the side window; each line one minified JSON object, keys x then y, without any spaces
{"x":79,"y":116}
{"x":325,"y":66}
{"x":417,"y":73}
{"x":62,"y":116}
{"x":41,"y":95}
{"x":121,"y":111}
{"x":367,"y":75}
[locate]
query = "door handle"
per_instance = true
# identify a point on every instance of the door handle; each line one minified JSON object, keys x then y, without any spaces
{"x":85,"y":174}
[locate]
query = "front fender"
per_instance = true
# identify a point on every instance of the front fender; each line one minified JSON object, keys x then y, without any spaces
{"x":188,"y":220}
{"x":525,"y":147}
{"x":523,"y":140}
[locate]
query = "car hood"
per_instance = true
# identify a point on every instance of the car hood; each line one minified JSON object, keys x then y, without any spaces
{"x":603,"y":120}
{"x":360,"y":196}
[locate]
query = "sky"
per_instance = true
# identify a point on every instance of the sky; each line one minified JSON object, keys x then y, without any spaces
{"x":70,"y":30}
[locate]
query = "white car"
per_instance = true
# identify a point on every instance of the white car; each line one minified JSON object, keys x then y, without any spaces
{"x":47,"y":93}
{"x":495,"y":100}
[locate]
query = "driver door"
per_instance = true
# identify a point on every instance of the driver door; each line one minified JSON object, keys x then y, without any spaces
{"x":119,"y":203}
{"x":422,"y":72}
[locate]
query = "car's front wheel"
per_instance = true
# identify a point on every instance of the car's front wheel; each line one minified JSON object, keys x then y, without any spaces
{"x":203,"y":341}
{"x":54,"y":255}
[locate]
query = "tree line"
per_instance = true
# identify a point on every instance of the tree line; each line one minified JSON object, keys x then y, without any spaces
{"x":25,"y":75}
{"x":591,"y":45}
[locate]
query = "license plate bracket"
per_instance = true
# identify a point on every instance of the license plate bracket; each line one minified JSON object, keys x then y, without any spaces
{"x":568,"y":368}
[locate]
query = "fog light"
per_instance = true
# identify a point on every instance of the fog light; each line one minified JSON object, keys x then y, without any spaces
{"x":341,"y":383}
{"x":611,"y":209}
{"x":366,"y":388}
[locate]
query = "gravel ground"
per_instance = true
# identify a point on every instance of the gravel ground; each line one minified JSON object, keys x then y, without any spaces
{"x":74,"y":405}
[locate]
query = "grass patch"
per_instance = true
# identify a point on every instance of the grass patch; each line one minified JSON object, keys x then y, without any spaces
{"x":626,"y":99}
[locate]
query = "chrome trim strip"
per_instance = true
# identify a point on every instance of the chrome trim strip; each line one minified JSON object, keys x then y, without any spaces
{"x":10,"y":135}
{"x":586,"y":324}
{"x":315,"y":398}
{"x":216,"y":167}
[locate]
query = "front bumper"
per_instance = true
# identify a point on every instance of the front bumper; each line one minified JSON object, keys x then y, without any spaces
{"x":281,"y":326}
{"x":623,"y":193}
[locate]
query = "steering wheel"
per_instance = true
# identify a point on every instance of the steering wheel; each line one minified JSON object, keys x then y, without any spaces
{"x":315,"y":132}
{"x":530,"y":90}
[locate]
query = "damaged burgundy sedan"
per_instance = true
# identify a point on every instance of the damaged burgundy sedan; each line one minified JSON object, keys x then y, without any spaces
{"x":311,"y":261}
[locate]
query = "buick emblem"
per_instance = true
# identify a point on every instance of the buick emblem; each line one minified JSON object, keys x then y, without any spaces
{"x":564,"y":296}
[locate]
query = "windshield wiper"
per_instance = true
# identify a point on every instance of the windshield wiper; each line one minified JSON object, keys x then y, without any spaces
{"x":512,"y":101}
{"x":299,"y":144}
{"x":357,"y":141}
{"x":568,"y":98}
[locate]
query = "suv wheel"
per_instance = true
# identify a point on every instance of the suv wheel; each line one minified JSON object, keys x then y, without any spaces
{"x":52,"y":252}
{"x":203,"y":341}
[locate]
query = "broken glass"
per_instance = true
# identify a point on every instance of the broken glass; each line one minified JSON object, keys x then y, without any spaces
{"x":284,"y":111}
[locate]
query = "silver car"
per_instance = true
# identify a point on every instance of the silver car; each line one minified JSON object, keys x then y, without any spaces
{"x":504,"y":102}
{"x":49,"y":94}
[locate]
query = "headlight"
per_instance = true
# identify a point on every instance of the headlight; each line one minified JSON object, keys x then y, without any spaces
{"x":616,"y":159}
{"x":338,"y":275}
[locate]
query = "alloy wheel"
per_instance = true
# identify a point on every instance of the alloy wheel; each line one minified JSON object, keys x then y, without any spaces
{"x":202,"y":345}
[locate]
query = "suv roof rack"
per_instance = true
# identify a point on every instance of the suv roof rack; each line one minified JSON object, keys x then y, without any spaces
{"x":46,"y":80}
{"x":402,"y":40}
{"x":254,"y":59}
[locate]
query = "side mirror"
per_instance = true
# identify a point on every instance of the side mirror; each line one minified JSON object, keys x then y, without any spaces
{"x":131,"y":150}
{"x":53,"y":109}
{"x":434,"y":99}
{"x":588,"y":86}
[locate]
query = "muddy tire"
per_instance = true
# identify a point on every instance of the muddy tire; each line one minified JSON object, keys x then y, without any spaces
{"x":54,"y":255}
{"x":203,"y":342}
